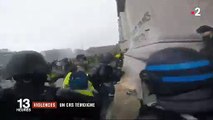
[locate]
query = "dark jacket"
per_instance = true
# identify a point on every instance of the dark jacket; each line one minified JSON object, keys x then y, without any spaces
{"x":197,"y":103}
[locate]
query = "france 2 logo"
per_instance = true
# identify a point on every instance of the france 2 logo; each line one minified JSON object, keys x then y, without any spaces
{"x":24,"y":105}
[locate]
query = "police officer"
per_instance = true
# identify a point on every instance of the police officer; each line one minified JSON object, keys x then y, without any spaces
{"x":103,"y":73}
{"x":29,"y":70}
{"x":103,"y":79}
{"x":182,"y":81}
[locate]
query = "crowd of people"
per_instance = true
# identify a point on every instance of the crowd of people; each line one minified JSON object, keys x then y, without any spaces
{"x":181,"y":79}
{"x":30,"y":71}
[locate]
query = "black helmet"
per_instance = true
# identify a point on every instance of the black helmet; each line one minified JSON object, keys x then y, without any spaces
{"x":81,"y":57}
{"x":173,"y":71}
{"x":26,"y":62}
{"x":107,"y":57}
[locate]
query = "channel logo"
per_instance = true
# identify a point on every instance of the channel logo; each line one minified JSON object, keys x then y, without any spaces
{"x":24,"y":105}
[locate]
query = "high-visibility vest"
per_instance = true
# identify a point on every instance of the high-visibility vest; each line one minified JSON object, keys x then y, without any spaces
{"x":88,"y":92}
{"x":118,"y":56}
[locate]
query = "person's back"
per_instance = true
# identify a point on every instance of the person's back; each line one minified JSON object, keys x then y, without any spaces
{"x":103,"y":73}
{"x":79,"y":89}
{"x":103,"y":80}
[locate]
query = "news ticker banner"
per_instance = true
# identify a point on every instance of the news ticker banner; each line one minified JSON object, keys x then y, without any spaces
{"x":25,"y":105}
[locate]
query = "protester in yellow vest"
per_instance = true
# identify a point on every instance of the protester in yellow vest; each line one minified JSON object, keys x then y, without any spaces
{"x":89,"y":91}
{"x":119,"y":60}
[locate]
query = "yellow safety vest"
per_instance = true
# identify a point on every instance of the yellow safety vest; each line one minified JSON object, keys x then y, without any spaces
{"x":118,"y":56}
{"x":88,"y":92}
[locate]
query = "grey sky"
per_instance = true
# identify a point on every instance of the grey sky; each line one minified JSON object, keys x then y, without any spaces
{"x":47,"y":24}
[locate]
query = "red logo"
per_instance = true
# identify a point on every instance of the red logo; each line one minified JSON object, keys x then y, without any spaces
{"x":44,"y":105}
{"x":193,"y":12}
